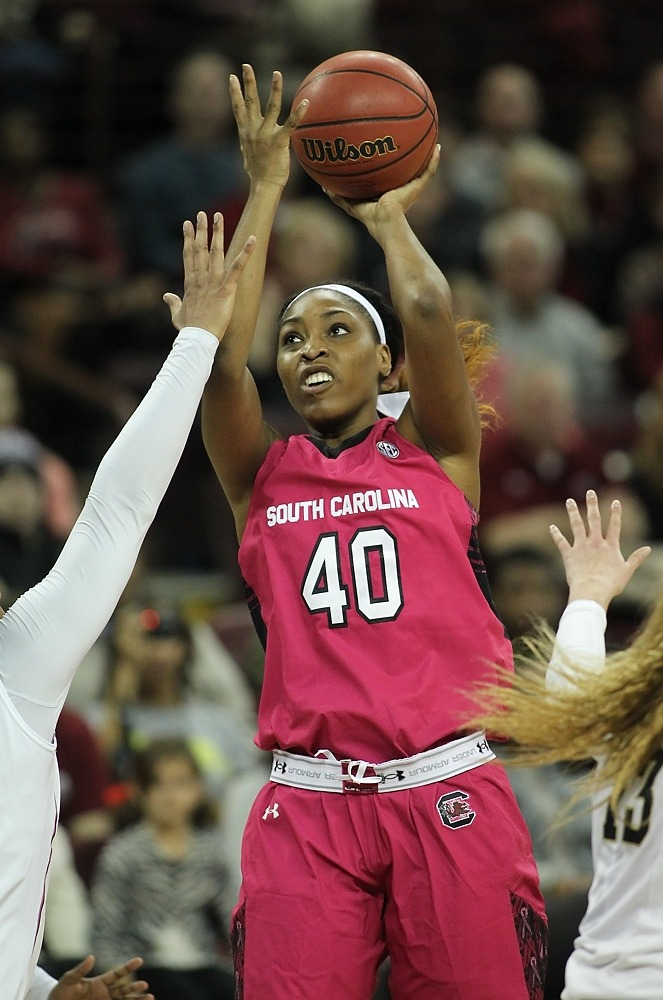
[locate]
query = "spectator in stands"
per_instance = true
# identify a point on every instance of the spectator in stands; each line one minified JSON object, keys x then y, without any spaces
{"x":508,"y":108}
{"x":647,"y":455}
{"x":84,"y":778}
{"x":28,"y":548}
{"x":527,"y":589}
{"x":532,"y":321}
{"x":640,"y":288}
{"x":148,"y":695}
{"x":649,"y":124}
{"x":58,"y":245}
{"x":543,"y":178}
{"x":540,"y":455}
{"x":217,"y":671}
{"x":68,"y":915}
{"x":160,"y":885}
{"x":61,"y":499}
{"x":617,"y":217}
{"x":196,"y":166}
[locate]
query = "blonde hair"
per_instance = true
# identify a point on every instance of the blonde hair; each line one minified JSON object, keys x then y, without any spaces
{"x":615,"y":716}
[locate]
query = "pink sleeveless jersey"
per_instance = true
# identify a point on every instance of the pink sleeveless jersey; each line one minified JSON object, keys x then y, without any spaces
{"x":366,"y":573}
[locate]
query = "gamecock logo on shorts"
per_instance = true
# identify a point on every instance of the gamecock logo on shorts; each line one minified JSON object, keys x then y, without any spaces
{"x":454,"y":809}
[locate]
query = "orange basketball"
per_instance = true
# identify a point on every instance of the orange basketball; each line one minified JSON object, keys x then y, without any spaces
{"x":371,"y":124}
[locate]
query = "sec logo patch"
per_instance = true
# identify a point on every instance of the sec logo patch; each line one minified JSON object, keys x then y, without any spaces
{"x":387,"y":449}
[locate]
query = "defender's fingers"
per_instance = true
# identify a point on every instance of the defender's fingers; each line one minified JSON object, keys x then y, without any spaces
{"x":75,"y":975}
{"x":594,"y":523}
{"x":559,"y":539}
{"x":575,"y":520}
{"x":201,"y":245}
{"x":131,"y":991}
{"x":122,"y":972}
{"x":216,"y":250}
{"x":614,"y":528}
{"x":637,"y":558}
{"x":173,"y":302}
{"x":187,"y":249}
{"x":234,"y":272}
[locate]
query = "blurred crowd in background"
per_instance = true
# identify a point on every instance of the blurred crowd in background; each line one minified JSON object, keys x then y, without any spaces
{"x":546,"y":215}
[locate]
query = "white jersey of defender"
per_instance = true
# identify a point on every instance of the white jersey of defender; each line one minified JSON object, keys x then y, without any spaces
{"x":46,"y":633}
{"x":618,"y":954}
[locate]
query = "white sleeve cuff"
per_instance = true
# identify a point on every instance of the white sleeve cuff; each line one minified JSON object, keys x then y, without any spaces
{"x":41,"y":985}
{"x":580,"y":642}
{"x":186,"y":332}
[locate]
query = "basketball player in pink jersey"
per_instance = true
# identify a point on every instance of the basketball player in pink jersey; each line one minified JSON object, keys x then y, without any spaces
{"x":386,"y":828}
{"x":47,"y":631}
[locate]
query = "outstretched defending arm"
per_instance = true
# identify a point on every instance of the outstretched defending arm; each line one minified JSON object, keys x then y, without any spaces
{"x":45,"y":634}
{"x":596,"y":572}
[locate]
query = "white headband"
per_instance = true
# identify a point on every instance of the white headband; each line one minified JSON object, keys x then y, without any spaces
{"x":358,"y":297}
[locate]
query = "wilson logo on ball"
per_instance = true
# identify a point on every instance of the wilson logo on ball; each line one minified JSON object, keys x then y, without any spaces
{"x":338,"y":150}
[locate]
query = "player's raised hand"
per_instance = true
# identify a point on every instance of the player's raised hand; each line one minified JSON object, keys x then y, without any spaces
{"x":265,"y":144}
{"x":402,"y":198}
{"x":116,"y":984}
{"x":210,"y":282}
{"x":595,"y":567}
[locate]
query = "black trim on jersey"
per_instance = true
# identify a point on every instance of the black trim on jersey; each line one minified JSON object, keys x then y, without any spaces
{"x":477,"y":564}
{"x":255,"y":611}
{"x":350,"y":442}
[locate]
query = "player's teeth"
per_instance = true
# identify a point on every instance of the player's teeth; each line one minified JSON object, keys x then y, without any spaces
{"x":317,"y":378}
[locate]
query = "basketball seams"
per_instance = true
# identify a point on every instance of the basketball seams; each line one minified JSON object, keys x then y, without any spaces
{"x":423,"y":94}
{"x":335,"y":122}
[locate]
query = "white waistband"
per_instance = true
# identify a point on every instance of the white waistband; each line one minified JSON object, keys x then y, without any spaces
{"x":324,"y":773}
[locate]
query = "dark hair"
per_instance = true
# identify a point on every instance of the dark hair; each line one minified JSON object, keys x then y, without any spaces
{"x":476,"y":341}
{"x":393,"y":328}
{"x":155,"y":623}
{"x":144,"y":773}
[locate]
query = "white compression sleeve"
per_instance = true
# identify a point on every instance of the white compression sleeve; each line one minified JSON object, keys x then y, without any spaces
{"x":41,"y":985}
{"x":46,"y":633}
{"x":580,"y":641}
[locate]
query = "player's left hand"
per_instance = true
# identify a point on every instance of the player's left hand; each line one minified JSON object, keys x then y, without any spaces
{"x":116,"y":984}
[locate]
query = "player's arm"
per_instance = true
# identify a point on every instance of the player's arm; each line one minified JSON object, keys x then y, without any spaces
{"x":235,"y":436}
{"x":443,"y":415}
{"x":596,"y":572}
{"x":48,"y":630}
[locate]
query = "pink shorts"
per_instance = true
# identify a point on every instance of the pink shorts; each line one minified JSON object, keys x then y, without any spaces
{"x":441,"y":878}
